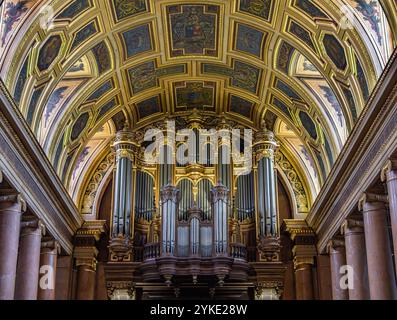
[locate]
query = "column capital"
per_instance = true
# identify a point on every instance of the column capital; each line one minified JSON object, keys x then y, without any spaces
{"x":265,"y":144}
{"x":352,"y":225}
{"x":219,"y":192}
{"x":169,"y":192}
{"x":91,"y":229}
{"x":299,"y":262}
{"x":12,"y":199}
{"x":86,"y":256}
{"x":125,"y":144}
{"x":50,"y":245}
{"x":297,"y":228}
{"x":388,"y":169}
{"x":32,"y":225}
{"x":334,"y":245}
{"x":368,"y":197}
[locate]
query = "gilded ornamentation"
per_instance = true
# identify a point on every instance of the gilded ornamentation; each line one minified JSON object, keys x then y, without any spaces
{"x":295,"y":181}
{"x":220,"y":193}
{"x":269,"y":248}
{"x":265,"y":144}
{"x":170,"y":193}
{"x":93,"y":185}
{"x":120,"y":290}
{"x":120,"y":249}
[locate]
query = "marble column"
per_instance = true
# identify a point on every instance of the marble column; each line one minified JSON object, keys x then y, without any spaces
{"x":304,"y":279}
{"x":337,"y":255}
{"x":48,"y":266}
{"x":11,"y":208}
{"x":356,"y":259}
{"x":86,"y":272}
{"x":389,"y":175}
{"x":29,"y":259}
{"x":382,"y":284}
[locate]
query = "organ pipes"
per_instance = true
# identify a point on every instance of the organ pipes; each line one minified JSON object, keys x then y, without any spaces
{"x":220,"y":206}
{"x":126,"y":150}
{"x":264,"y":148}
{"x":169,"y":201}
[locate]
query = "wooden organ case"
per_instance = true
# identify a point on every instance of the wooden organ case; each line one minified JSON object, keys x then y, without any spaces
{"x":194,"y":231}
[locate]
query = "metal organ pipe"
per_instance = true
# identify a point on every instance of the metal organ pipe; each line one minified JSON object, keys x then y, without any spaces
{"x":264,"y":148}
{"x":126,"y":152}
{"x":219,"y":197}
{"x":194,"y":236}
{"x":170,"y":197}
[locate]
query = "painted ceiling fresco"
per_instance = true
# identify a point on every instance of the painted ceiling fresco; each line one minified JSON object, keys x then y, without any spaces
{"x":78,"y":69}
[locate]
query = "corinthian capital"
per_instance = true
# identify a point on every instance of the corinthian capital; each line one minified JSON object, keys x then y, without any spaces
{"x":170,"y":192}
{"x":219,"y":192}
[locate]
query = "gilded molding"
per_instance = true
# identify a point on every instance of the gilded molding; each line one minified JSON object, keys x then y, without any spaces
{"x":96,"y":179}
{"x":295,"y":181}
{"x":86,"y":256}
{"x":219,"y":193}
{"x":94,"y":228}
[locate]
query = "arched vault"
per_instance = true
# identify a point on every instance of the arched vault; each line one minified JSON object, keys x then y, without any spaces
{"x":79,"y":68}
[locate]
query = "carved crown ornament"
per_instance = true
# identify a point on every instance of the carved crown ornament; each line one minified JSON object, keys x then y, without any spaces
{"x":170,"y":193}
{"x":269,"y":248}
{"x":219,"y":193}
{"x":120,"y":249}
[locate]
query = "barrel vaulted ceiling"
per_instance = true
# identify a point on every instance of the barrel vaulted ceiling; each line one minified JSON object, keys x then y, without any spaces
{"x":78,"y":69}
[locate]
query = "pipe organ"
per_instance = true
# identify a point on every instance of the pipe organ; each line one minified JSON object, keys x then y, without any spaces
{"x":179,"y":224}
